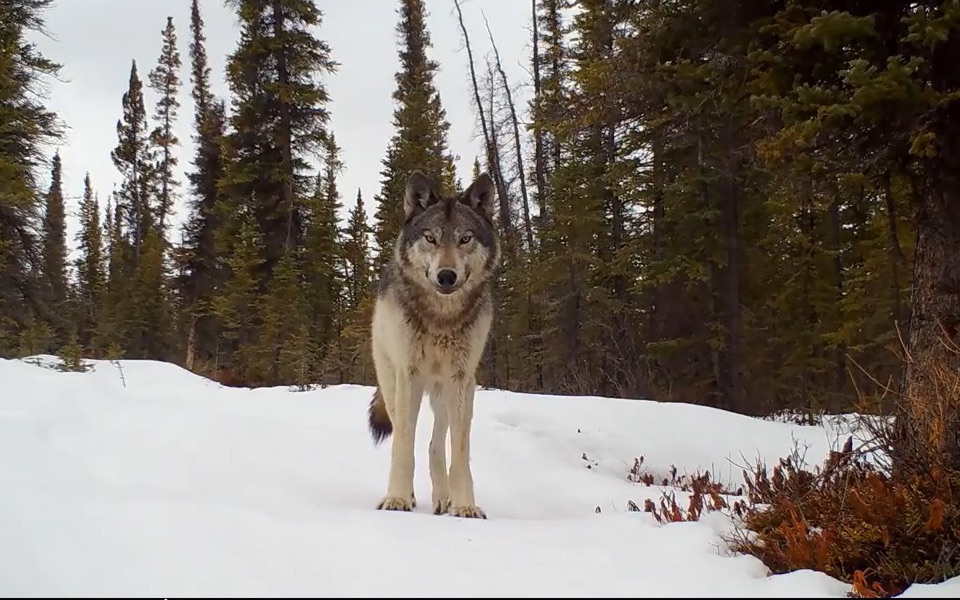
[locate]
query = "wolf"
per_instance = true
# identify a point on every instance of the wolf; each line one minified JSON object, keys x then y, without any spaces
{"x":431,"y":319}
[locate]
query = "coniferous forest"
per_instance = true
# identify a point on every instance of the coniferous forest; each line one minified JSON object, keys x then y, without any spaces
{"x":750,"y":205}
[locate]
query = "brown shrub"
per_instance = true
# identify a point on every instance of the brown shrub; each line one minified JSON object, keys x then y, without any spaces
{"x":854,"y":523}
{"x":880,"y":525}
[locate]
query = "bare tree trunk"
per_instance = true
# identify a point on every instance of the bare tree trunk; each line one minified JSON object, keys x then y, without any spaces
{"x":493,"y":159}
{"x":521,"y":173}
{"x":928,"y":413}
{"x":539,"y":166}
{"x":191,"y":345}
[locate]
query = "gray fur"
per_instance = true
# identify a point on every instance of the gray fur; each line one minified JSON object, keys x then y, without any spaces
{"x":431,"y":321}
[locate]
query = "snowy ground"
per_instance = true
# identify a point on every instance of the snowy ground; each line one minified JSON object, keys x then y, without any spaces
{"x":162,"y":483}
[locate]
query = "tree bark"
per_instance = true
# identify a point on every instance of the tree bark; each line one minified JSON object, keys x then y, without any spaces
{"x":928,"y":413}
{"x":539,"y":159}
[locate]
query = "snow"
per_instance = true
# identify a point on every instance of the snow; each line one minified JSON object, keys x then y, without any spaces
{"x":138,"y":478}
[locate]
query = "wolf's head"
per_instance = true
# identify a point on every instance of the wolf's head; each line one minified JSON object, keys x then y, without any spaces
{"x":448,"y":243}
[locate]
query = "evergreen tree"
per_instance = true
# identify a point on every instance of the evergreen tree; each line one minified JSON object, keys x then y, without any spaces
{"x":358,"y":297}
{"x":200,"y":270}
{"x":91,"y":284}
{"x":236,"y":302}
{"x":165,"y":81}
{"x":356,"y":253}
{"x":282,"y":351}
{"x":26,"y":125}
{"x":55,"y":244}
{"x":117,"y":284}
{"x":420,"y":127}
{"x":278,"y":124}
{"x":146,"y":317}
{"x":322,"y":265}
{"x":134,"y":158}
{"x":279,"y":117}
{"x":199,"y":69}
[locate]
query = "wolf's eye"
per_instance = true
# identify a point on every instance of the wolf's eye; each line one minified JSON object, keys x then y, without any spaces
{"x":429,"y":237}
{"x":465,"y":238}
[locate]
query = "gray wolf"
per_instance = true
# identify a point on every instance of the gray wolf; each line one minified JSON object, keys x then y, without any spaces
{"x":431,"y":320}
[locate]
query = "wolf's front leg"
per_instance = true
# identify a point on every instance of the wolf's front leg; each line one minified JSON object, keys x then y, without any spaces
{"x":462,"y":502}
{"x":440,"y":401}
{"x":406,"y":409}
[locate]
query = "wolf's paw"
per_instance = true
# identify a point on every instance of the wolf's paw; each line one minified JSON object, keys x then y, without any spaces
{"x":395,"y":503}
{"x":468,"y":512}
{"x":442,"y":506}
{"x":413,"y":500}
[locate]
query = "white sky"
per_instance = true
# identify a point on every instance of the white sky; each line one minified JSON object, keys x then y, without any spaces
{"x":95,"y":41}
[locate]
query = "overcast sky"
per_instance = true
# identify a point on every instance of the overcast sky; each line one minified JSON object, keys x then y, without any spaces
{"x":95,"y":41}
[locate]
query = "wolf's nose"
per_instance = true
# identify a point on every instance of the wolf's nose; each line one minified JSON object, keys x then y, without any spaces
{"x":446,"y":277}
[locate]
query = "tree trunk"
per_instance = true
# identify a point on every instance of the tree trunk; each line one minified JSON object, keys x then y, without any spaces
{"x":539,"y":159}
{"x":928,"y":412}
{"x":896,"y":252}
{"x":835,"y":230}
{"x":731,"y":387}
{"x":521,"y":173}
{"x":191,"y":345}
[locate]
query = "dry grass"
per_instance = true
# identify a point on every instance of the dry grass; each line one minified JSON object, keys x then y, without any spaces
{"x":880,"y":517}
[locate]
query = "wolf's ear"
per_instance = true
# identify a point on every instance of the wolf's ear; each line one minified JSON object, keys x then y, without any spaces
{"x":480,"y":195}
{"x":418,"y":194}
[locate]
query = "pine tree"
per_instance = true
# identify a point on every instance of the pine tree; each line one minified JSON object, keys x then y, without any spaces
{"x":112,"y":323}
{"x":236,"y":302}
{"x":279,"y":123}
{"x":199,"y":69}
{"x":91,"y":284}
{"x":26,"y":126}
{"x":55,"y":248}
{"x":281,"y":349}
{"x":201,"y":271}
{"x":356,"y":253}
{"x":147,"y":316}
{"x":165,"y":81}
{"x":279,"y":116}
{"x":322,"y":264}
{"x":354,"y":334}
{"x":420,"y":127}
{"x":134,"y":158}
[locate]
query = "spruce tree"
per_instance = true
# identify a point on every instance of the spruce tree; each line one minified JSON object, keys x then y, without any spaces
{"x":91,"y":284}
{"x":117,"y":274}
{"x":165,"y":81}
{"x":26,"y":127}
{"x":236,"y":303}
{"x":200,"y":268}
{"x":420,"y":127}
{"x":322,"y":265}
{"x":55,"y":244}
{"x":358,"y":297}
{"x":278,"y":125}
{"x":279,"y":117}
{"x":134,"y":158}
{"x":356,"y":253}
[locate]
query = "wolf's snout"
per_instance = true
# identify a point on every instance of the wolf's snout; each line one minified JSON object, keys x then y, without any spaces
{"x":447,"y":277}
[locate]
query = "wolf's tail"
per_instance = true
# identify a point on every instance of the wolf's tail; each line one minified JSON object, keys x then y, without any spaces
{"x":378,"y":419}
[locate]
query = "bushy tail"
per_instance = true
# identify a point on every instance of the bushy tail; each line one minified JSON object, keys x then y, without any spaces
{"x":378,"y":419}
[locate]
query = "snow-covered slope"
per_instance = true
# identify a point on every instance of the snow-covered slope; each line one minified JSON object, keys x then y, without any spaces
{"x":139,"y":478}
